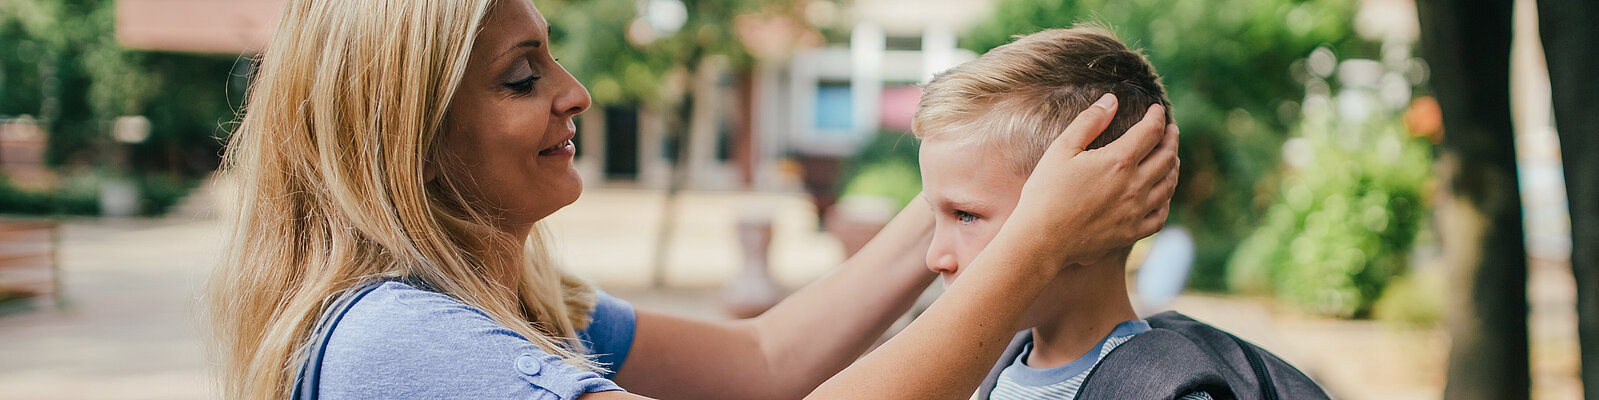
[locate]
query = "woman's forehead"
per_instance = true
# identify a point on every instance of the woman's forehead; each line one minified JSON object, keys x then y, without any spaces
{"x":511,"y":24}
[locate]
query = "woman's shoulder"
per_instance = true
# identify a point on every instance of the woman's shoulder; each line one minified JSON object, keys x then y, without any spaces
{"x":402,"y":341}
{"x":609,"y":335}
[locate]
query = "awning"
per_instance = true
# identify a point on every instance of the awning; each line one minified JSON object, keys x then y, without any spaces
{"x":204,"y":26}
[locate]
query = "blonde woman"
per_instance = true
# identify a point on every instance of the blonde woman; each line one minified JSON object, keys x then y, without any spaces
{"x":396,"y":157}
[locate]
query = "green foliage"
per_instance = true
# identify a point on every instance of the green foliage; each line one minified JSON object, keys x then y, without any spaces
{"x":590,"y":38}
{"x":1412,"y":300}
{"x":60,"y":62}
{"x":1344,"y":224}
{"x":1227,"y":68}
{"x":885,"y":167}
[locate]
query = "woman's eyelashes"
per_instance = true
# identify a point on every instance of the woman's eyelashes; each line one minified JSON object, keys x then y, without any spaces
{"x":965,"y":217}
{"x":520,"y":79}
{"x":521,"y":86}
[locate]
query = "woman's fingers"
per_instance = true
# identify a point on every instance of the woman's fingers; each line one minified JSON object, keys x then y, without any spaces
{"x":1164,"y":164}
{"x":1161,"y":192}
{"x":1085,"y":128}
{"x":1143,"y":137}
{"x":1153,"y":223}
{"x":1119,"y":192}
{"x":1160,"y":161}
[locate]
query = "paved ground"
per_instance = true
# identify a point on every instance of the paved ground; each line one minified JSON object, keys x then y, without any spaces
{"x":128,"y":329}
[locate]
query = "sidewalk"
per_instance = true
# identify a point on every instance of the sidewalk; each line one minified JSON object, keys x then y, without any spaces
{"x":129,"y":328}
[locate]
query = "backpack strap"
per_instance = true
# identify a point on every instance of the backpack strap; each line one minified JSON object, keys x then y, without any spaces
{"x":1012,"y":351}
{"x":308,"y":378}
{"x":1157,"y":364}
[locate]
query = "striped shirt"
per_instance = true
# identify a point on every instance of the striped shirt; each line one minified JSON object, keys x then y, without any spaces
{"x":1021,"y":382}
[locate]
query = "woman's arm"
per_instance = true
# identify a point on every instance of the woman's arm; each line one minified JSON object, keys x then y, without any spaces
{"x":1119,"y":192}
{"x":789,"y":350}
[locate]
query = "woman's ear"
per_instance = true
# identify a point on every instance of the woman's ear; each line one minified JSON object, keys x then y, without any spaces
{"x":429,"y":172}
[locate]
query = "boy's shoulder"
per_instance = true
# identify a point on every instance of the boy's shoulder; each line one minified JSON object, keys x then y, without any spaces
{"x":1188,"y":356}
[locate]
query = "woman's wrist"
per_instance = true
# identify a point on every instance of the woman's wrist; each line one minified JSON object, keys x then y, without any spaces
{"x":1031,"y":239}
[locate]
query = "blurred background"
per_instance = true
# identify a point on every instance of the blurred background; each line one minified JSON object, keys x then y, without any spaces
{"x":738,"y":149}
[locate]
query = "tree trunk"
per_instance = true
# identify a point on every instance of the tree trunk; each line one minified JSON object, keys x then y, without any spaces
{"x":679,"y":124}
{"x":1467,"y":45}
{"x":1570,"y":30}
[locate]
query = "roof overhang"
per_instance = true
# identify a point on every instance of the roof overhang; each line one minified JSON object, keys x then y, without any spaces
{"x":205,"y":26}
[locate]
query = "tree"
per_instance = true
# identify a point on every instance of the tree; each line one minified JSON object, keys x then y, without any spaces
{"x":1468,"y":45}
{"x":1569,"y":34}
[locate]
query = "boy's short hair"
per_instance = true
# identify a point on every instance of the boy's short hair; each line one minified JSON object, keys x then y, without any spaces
{"x":1022,"y":95}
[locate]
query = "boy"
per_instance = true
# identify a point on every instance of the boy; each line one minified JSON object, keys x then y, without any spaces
{"x":984,"y":126}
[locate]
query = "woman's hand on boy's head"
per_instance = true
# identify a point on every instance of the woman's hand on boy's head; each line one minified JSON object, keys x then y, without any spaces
{"x":1082,"y":204}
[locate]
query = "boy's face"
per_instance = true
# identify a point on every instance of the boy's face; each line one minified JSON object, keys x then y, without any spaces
{"x":972,"y":193}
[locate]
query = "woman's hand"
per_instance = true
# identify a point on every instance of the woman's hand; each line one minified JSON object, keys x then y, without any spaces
{"x":1080,"y":205}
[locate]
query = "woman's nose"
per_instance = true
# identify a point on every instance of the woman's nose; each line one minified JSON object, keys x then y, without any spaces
{"x":574,"y":100}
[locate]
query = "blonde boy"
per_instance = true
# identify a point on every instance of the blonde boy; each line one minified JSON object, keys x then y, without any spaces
{"x":984,"y":126}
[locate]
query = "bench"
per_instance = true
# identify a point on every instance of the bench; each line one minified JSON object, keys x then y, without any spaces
{"x":29,"y":268}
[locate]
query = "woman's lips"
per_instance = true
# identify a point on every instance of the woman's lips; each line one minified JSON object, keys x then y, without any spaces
{"x":564,"y":149}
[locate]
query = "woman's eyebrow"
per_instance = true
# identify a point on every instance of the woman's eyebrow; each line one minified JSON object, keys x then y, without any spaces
{"x":519,"y":45}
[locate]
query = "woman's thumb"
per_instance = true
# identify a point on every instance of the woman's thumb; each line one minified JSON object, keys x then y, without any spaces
{"x":1086,"y":127}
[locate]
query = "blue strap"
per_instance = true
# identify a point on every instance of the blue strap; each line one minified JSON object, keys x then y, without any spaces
{"x":310,"y":374}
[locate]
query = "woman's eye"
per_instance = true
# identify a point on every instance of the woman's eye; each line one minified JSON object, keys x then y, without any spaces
{"x":965,"y":217}
{"x":522,"y":86}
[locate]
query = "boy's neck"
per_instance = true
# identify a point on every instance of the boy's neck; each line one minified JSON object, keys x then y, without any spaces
{"x":1088,"y":302}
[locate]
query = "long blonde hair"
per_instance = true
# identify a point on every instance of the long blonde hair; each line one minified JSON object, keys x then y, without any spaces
{"x":345,"y":112}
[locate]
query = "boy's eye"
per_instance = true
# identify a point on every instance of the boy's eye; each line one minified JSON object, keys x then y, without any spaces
{"x":965,"y":217}
{"x":521,"y":86}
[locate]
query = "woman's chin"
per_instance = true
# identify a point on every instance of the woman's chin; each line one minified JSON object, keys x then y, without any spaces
{"x":564,"y":189}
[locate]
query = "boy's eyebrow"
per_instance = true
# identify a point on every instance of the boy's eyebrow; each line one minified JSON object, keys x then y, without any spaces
{"x":959,"y":204}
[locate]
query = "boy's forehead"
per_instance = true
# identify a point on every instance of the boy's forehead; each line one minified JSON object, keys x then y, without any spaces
{"x":958,"y":172}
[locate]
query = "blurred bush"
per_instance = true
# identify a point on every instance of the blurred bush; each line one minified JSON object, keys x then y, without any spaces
{"x":1344,"y":223}
{"x":1412,"y":300}
{"x":885,"y":167}
{"x":1230,"y":69}
{"x":79,"y":194}
{"x":1352,"y":197}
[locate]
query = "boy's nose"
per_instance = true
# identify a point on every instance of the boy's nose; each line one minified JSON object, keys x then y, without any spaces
{"x":941,"y":262}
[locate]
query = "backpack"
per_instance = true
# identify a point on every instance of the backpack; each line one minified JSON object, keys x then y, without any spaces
{"x":1178,"y":356}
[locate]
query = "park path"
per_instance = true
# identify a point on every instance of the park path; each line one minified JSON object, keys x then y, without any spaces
{"x":128,"y":329}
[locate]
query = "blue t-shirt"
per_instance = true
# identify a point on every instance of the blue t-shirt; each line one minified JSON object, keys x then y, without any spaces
{"x":399,"y":341}
{"x":1019,"y":381}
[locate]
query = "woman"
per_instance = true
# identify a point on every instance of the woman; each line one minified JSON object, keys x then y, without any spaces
{"x":396,"y":157}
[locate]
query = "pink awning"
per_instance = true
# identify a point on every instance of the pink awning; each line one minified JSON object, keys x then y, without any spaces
{"x":205,"y":26}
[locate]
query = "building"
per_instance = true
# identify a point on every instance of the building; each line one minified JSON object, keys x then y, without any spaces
{"x":805,"y":103}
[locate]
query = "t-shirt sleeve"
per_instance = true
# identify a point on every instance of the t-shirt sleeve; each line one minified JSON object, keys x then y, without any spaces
{"x":609,"y":335}
{"x":400,"y":342}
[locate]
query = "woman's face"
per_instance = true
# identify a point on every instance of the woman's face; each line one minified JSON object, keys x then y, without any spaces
{"x":509,"y":127}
